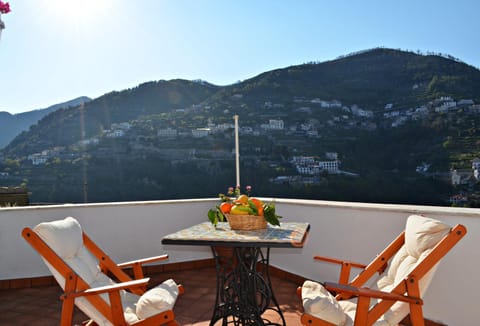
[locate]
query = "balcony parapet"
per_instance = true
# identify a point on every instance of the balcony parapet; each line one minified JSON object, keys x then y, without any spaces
{"x":356,"y":231}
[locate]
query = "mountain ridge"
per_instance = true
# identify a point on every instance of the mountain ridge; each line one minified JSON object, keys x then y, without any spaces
{"x":13,"y":124}
{"x":369,"y":79}
{"x":376,"y":74}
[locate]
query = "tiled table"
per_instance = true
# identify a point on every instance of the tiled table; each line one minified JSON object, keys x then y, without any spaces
{"x":244,"y":290}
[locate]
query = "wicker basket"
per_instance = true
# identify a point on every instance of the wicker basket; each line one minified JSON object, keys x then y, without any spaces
{"x":246,"y":222}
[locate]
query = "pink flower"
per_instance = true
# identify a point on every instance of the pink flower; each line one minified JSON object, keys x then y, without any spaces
{"x":4,"y":7}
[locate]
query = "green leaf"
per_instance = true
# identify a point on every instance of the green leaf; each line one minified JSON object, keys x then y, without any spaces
{"x":215,"y":215}
{"x":212,"y":216}
{"x":270,"y":215}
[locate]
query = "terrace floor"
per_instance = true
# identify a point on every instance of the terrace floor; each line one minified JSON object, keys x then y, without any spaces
{"x":41,"y":305}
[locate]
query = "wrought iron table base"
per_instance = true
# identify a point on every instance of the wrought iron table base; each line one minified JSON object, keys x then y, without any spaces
{"x":244,"y":290}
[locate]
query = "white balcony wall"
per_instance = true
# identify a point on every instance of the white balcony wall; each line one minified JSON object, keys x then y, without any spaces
{"x":125,"y":231}
{"x":354,"y":231}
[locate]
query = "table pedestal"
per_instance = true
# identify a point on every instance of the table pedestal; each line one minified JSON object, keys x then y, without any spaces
{"x":244,"y":290}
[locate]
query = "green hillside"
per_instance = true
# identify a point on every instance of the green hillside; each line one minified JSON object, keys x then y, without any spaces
{"x":67,"y":126}
{"x":385,"y":112}
{"x":370,"y":79}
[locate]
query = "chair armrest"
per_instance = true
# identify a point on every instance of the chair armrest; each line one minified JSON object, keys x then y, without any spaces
{"x":346,"y":267}
{"x":339,"y":261}
{"x":143,"y":261}
{"x":367,"y":292}
{"x":137,"y":265}
{"x":106,"y":289}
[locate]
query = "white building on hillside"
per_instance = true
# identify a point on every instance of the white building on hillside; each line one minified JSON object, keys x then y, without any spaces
{"x":361,"y":112}
{"x":310,"y":166}
{"x":200,"y":132}
{"x":276,"y":124}
{"x":38,"y":158}
{"x":476,"y":168}
{"x":167,"y":133}
{"x":116,"y":134}
{"x":121,"y":125}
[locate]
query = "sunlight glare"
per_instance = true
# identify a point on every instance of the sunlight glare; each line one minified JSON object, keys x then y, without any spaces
{"x":79,"y":11}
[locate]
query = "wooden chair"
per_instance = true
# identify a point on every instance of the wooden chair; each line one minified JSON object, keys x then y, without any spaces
{"x":413,"y":257}
{"x":95,"y":284}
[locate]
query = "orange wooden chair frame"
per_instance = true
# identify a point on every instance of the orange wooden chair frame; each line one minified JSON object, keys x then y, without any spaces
{"x":407,"y":291}
{"x":76,"y":287}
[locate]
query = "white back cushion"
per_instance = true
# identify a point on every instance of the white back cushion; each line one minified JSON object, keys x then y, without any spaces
{"x":421,"y":235}
{"x":65,"y":237}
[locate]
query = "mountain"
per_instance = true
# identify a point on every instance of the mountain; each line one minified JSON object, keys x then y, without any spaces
{"x":369,"y":79}
{"x":387,"y":114}
{"x":67,"y":126}
{"x":12,"y":125}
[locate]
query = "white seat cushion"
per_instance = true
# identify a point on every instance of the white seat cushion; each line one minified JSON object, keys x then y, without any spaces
{"x":317,"y":301}
{"x":157,"y":300}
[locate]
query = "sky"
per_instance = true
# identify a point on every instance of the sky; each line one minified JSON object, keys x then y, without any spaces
{"x":52,"y":51}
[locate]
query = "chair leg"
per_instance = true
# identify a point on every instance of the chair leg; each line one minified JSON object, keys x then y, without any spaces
{"x":361,"y":315}
{"x":416,"y":315}
{"x":68,"y":303}
{"x":117,"y":309}
{"x":67,"y":312}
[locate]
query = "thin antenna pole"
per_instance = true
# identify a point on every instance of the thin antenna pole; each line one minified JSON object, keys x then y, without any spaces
{"x":237,"y":151}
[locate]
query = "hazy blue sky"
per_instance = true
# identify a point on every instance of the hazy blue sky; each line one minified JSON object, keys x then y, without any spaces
{"x":55,"y":50}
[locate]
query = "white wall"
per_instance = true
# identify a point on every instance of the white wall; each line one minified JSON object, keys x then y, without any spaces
{"x":355,"y":231}
{"x":359,"y":231}
{"x":125,"y":231}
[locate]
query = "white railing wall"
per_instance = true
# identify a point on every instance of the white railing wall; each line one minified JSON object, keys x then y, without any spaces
{"x":355,"y":231}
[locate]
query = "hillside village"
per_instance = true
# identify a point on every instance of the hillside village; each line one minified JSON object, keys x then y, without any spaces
{"x":307,"y":168}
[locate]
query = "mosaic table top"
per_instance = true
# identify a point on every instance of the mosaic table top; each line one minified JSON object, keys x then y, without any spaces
{"x":288,"y":234}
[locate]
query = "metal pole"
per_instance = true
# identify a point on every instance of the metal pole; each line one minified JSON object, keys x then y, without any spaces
{"x":237,"y":151}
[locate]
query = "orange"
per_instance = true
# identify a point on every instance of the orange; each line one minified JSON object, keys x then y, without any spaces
{"x":260,"y":211}
{"x":225,"y":207}
{"x":259,"y":204}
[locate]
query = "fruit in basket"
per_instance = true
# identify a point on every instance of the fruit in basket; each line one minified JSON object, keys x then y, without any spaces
{"x":258,"y":204}
{"x":242,"y":199}
{"x":235,"y":203}
{"x":240,"y":209}
{"x":225,"y":207}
